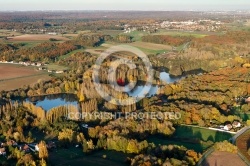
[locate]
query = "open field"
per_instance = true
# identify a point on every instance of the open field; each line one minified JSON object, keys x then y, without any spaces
{"x":192,"y":138}
{"x":19,"y":82}
{"x":137,"y":35}
{"x":16,"y":76}
{"x":8,"y":71}
{"x":223,"y":159}
{"x":197,"y":146}
{"x":113,"y":33}
{"x":70,"y":53}
{"x":147,"y":48}
{"x":202,"y":134}
{"x":75,"y":156}
{"x":28,"y":37}
{"x":151,"y":46}
{"x":96,"y":51}
{"x":56,"y":67}
{"x":182,"y":33}
{"x":70,"y":35}
{"x":7,"y":33}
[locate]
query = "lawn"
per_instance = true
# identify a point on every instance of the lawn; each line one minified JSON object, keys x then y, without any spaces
{"x":147,"y":48}
{"x":137,"y":35}
{"x":112,"y":33}
{"x":75,"y":156}
{"x":198,"y":147}
{"x":53,"y":66}
{"x":202,"y":134}
{"x":151,"y":46}
{"x":7,"y":33}
{"x":40,"y":37}
{"x":181,"y":33}
{"x":192,"y":138}
{"x":244,"y":116}
{"x":70,"y":53}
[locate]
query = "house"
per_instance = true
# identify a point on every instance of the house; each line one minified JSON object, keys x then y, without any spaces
{"x":24,"y":148}
{"x":37,"y":147}
{"x":38,"y":64}
{"x":228,"y":127}
{"x":52,"y":33}
{"x":42,"y":68}
{"x":247,"y":100}
{"x":59,"y":71}
{"x":2,"y":151}
{"x":51,"y":145}
{"x":236,"y":124}
{"x":2,"y":144}
{"x":11,"y":143}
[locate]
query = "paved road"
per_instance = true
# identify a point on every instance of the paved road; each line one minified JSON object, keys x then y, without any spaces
{"x":241,"y":131}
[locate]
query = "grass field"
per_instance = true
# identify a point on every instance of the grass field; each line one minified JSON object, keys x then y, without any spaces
{"x":96,"y":50}
{"x":202,"y":134}
{"x":15,"y":76}
{"x":137,"y":35}
{"x":243,"y":116}
{"x":7,"y":33}
{"x":72,"y":52}
{"x":181,"y":33}
{"x":74,"y":156}
{"x":151,"y":46}
{"x":113,"y":33}
{"x":186,"y":136}
{"x":147,"y":48}
{"x":56,"y":67}
{"x":28,"y":37}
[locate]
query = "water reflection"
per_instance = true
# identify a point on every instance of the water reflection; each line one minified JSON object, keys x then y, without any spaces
{"x":165,"y":78}
{"x":50,"y":101}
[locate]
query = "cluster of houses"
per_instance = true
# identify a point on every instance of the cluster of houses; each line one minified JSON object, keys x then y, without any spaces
{"x":41,"y":66}
{"x":38,"y":64}
{"x":191,"y":25}
{"x":27,"y":148}
{"x":229,"y":126}
{"x":150,"y":28}
{"x":4,"y":145}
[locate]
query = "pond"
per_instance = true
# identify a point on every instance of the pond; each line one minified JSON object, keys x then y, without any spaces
{"x":50,"y":101}
{"x":164,"y":76}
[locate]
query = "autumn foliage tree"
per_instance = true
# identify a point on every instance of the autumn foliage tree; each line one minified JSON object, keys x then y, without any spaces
{"x":43,"y":151}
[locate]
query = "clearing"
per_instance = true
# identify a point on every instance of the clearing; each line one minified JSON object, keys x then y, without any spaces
{"x":223,"y":159}
{"x":28,"y":37}
{"x":15,"y":76}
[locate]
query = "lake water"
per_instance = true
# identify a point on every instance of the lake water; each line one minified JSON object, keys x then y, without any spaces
{"x":164,"y":77}
{"x":50,"y":101}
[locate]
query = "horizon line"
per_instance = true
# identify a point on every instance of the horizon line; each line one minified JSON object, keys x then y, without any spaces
{"x":129,"y":10}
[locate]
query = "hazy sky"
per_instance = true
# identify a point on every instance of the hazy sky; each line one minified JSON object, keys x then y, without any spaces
{"x":124,"y":5}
